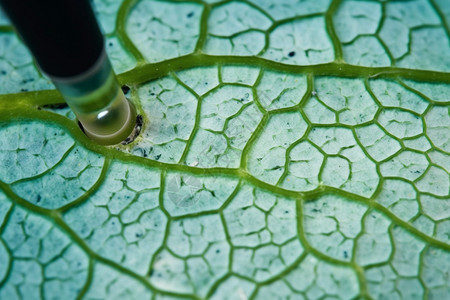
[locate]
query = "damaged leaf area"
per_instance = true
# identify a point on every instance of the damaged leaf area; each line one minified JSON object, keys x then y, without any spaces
{"x":290,"y":150}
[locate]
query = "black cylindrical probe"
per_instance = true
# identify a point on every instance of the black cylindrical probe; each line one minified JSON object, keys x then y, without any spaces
{"x":65,"y":39}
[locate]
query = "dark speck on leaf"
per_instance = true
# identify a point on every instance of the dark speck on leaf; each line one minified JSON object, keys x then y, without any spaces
{"x":24,"y":90}
{"x":157,"y":157}
{"x":38,"y":198}
{"x":291,"y":54}
{"x":110,"y":44}
{"x":315,"y":210}
{"x":3,"y":72}
{"x":286,"y":211}
{"x":218,"y":251}
{"x":190,"y":15}
{"x":213,"y":193}
{"x":152,"y":94}
{"x":345,"y":254}
{"x":151,"y":273}
{"x":417,"y":171}
{"x":206,"y":82}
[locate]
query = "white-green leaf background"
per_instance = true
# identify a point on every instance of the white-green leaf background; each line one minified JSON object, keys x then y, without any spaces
{"x":291,"y":149}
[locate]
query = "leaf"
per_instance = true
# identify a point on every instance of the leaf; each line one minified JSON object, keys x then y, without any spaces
{"x":290,"y":149}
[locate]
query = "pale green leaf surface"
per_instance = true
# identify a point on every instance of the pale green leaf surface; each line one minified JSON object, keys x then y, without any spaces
{"x":290,"y":150}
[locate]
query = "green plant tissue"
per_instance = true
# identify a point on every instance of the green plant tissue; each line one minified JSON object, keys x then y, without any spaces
{"x":290,"y":150}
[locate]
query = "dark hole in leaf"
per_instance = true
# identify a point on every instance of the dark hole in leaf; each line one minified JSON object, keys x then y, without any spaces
{"x":125,"y":89}
{"x":55,"y":106}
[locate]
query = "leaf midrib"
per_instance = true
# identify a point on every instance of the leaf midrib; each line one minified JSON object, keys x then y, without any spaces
{"x":153,"y":71}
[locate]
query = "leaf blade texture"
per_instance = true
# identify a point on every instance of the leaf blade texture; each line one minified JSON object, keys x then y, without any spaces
{"x":290,"y":149}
